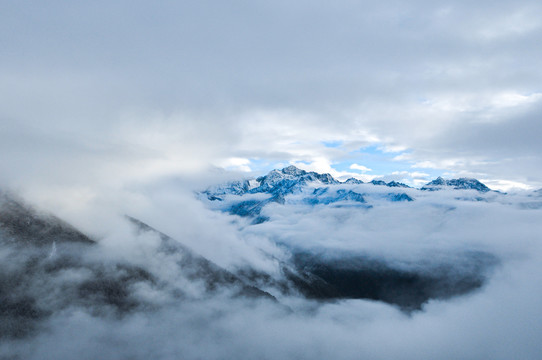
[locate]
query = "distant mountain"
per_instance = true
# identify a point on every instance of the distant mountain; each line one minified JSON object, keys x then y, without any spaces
{"x":389,"y":184}
{"x":456,"y":184}
{"x":320,"y":197}
{"x":397,"y":184}
{"x":289,"y":180}
{"x":278,"y":185}
{"x":353,"y":181}
{"x":291,"y":185}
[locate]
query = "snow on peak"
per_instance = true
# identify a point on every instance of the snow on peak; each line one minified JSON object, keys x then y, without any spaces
{"x":456,"y":184}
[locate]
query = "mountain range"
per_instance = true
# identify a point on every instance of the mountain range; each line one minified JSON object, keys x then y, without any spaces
{"x":292,"y":185}
{"x":42,"y":249}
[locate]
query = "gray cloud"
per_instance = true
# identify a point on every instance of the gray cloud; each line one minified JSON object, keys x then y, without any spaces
{"x":406,"y":74}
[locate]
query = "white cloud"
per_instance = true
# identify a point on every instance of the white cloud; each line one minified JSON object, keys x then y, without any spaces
{"x":414,"y":174}
{"x":505,"y":185}
{"x":510,"y":99}
{"x":179,"y":112}
{"x":503,"y":314}
{"x":360,"y":168}
{"x":235,"y":163}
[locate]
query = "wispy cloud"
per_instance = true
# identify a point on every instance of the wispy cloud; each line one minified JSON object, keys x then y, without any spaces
{"x":360,"y":168}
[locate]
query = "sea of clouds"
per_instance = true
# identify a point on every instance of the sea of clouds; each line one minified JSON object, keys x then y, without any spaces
{"x":498,"y":321}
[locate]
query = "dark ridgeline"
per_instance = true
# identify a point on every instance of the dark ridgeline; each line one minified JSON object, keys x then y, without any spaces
{"x":42,"y":248}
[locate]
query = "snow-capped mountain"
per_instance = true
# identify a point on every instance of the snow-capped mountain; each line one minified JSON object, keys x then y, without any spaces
{"x":389,"y":184}
{"x":292,"y":180}
{"x":289,"y":180}
{"x":456,"y":184}
{"x":277,"y":182}
{"x":291,"y":185}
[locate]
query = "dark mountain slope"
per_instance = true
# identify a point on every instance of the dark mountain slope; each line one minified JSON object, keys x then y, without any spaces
{"x":407,"y":285}
{"x":21,"y":224}
{"x":196,"y":267}
{"x":45,"y":267}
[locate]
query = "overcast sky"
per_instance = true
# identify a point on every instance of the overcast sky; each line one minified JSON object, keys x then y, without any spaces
{"x":103,"y":93}
{"x":109,"y":107}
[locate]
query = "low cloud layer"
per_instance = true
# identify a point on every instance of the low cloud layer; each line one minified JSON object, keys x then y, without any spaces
{"x":171,"y":316}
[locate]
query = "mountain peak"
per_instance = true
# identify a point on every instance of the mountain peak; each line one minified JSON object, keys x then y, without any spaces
{"x":294,"y":171}
{"x":456,"y":184}
{"x":353,"y":181}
